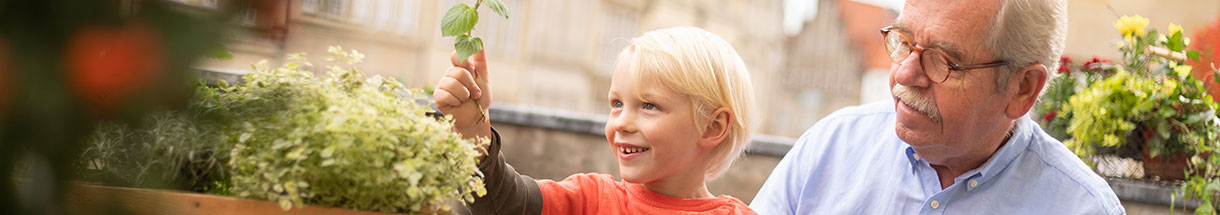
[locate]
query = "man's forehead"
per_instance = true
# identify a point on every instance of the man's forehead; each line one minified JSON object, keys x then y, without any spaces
{"x":954,"y":26}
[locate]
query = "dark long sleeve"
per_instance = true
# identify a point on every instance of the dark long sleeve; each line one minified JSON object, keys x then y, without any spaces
{"x":508,"y":192}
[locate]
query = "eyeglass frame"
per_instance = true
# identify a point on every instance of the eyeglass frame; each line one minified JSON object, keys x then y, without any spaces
{"x":949,"y":60}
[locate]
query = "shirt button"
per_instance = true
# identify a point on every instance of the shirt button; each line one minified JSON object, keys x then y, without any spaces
{"x":916,"y":156}
{"x":935,"y":204}
{"x":974,"y":183}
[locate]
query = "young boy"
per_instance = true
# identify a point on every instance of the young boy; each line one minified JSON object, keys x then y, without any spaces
{"x":680,"y":101}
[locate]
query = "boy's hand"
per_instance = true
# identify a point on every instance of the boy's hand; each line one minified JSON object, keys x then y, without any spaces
{"x":464,"y":94}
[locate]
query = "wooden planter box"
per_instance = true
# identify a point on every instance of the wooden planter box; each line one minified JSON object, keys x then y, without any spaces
{"x":96,"y":199}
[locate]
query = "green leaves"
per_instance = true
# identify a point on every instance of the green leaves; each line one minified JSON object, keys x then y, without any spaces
{"x":498,"y":7}
{"x":1175,"y":42}
{"x":336,"y":140}
{"x":467,"y":46}
{"x":459,"y":20}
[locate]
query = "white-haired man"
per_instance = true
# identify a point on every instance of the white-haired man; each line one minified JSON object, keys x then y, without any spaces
{"x":956,"y":138}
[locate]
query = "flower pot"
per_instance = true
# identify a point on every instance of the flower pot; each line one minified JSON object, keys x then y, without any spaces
{"x":96,"y":199}
{"x":1172,"y":167}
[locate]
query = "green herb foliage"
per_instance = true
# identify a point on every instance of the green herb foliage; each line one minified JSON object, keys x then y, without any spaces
{"x":167,"y":149}
{"x":339,"y":140}
{"x":343,"y":141}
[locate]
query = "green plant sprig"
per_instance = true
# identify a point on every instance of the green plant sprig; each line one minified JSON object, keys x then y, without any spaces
{"x":459,"y":22}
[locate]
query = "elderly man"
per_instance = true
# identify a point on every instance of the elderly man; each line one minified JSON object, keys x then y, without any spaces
{"x":956,"y":138}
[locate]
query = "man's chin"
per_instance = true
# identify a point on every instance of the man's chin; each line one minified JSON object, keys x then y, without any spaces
{"x":916,"y":131}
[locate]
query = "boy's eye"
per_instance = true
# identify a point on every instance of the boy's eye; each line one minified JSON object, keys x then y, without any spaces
{"x":650,"y":106}
{"x":616,"y":104}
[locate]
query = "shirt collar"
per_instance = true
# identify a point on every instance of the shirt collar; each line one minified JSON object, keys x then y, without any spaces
{"x":997,"y":163}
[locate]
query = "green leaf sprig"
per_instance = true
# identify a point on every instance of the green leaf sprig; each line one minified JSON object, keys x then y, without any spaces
{"x":459,"y":22}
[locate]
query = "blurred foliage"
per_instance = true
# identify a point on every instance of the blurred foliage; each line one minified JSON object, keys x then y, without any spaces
{"x":66,"y":65}
{"x":167,"y":149}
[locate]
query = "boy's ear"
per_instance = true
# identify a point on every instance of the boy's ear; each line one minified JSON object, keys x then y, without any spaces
{"x":718,"y":129}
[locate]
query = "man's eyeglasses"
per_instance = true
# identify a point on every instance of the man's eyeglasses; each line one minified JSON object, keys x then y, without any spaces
{"x":936,"y":64}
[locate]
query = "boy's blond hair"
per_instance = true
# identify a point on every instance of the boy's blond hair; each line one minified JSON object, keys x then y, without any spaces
{"x":704,"y":67}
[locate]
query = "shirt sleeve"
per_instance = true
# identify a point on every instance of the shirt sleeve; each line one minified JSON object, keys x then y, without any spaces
{"x":508,"y":192}
{"x":781,"y":192}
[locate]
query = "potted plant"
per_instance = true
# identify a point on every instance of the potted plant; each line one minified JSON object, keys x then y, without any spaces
{"x":1150,"y":107}
{"x":287,"y":136}
{"x":1149,"y":103}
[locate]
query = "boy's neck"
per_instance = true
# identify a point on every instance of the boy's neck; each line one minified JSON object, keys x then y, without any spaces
{"x":689,"y":186}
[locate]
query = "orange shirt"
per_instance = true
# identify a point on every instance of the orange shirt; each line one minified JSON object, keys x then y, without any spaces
{"x":601,"y":194}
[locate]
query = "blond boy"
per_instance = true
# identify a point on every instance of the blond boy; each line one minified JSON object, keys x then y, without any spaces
{"x":680,"y":101}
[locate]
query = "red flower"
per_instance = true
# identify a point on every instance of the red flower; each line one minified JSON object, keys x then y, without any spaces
{"x":1065,"y":65}
{"x":1089,"y":65}
{"x":106,"y":65}
{"x":1049,"y":116}
{"x":1207,"y":42}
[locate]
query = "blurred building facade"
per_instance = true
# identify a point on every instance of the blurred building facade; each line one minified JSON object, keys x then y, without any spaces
{"x":1091,"y":30}
{"x":827,"y":65}
{"x":558,"y":54}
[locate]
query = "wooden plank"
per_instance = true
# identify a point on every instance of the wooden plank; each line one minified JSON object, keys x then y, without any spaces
{"x":95,"y":199}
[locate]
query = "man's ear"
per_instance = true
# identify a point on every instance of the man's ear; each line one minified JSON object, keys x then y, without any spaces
{"x":1029,"y":81}
{"x":717,"y":129}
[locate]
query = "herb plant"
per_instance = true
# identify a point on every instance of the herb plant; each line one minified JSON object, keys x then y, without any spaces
{"x":285,"y":135}
{"x":343,"y":140}
{"x":166,"y":149}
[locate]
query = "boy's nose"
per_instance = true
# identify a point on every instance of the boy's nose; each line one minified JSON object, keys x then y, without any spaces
{"x":624,"y":123}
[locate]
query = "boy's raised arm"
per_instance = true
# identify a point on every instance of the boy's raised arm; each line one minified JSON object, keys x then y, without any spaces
{"x":465,"y":94}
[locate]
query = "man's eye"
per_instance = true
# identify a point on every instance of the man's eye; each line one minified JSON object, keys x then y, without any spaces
{"x":650,"y":106}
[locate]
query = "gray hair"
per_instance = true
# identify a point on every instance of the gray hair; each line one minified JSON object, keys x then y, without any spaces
{"x":1028,"y":32}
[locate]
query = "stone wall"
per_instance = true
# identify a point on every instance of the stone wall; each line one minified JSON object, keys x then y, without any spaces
{"x":548,"y":144}
{"x":553,"y":154}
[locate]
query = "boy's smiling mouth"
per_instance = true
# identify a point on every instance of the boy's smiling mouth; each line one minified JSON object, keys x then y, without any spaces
{"x":628,"y":151}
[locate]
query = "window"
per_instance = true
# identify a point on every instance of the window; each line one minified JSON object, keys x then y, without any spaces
{"x":408,"y":12}
{"x":619,"y":25}
{"x":397,"y":16}
{"x":560,"y":33}
{"x":329,"y":9}
{"x":500,"y":35}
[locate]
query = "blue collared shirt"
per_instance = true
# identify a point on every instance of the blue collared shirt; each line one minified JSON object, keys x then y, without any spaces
{"x":852,"y":162}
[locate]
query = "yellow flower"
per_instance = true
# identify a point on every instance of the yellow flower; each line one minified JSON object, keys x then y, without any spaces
{"x":1174,"y":28}
{"x":1128,"y":25}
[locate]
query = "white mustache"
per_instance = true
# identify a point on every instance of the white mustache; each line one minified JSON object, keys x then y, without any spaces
{"x":917,"y":99}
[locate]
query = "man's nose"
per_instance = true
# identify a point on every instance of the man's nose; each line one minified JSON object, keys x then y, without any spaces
{"x":910,"y":72}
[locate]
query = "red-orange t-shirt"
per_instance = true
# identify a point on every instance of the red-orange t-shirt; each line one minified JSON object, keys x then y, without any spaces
{"x":601,"y":194}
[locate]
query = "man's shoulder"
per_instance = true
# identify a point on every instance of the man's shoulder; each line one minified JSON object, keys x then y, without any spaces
{"x":848,"y":122}
{"x":875,"y":109}
{"x":851,"y":119}
{"x":850,"y":130}
{"x":1052,"y":153}
{"x":1061,"y":163}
